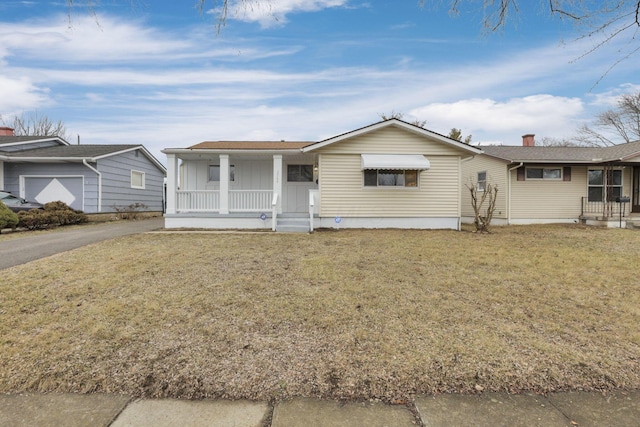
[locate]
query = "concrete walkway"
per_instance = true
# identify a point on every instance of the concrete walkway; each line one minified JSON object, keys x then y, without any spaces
{"x":619,"y":409}
{"x":20,"y":250}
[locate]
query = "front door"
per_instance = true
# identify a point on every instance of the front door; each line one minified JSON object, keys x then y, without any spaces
{"x":635,"y":199}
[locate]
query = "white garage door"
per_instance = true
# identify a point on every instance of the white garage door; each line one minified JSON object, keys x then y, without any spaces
{"x":50,"y":189}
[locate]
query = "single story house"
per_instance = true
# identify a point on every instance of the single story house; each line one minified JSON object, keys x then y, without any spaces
{"x":538,"y":184}
{"x":388,"y":174}
{"x":90,"y":178}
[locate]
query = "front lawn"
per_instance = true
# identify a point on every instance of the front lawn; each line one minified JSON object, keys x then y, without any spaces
{"x":382,"y":314}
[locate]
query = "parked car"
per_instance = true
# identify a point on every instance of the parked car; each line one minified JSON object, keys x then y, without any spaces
{"x":18,"y":204}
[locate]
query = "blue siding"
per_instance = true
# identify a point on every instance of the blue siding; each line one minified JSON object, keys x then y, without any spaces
{"x":116,"y":181}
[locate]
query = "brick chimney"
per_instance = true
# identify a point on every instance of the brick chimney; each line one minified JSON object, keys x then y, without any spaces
{"x":528,"y":140}
{"x":6,"y":131}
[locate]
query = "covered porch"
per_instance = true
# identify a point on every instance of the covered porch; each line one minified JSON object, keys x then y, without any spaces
{"x":238,"y":185}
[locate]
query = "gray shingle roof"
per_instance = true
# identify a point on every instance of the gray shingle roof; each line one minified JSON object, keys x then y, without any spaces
{"x":72,"y":151}
{"x":564,"y":154}
{"x":13,"y":139}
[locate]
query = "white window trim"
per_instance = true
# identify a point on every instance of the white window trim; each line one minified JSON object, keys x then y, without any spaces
{"x":231,"y":167}
{"x":144,"y":180}
{"x":484,"y":186}
{"x":526,"y":175}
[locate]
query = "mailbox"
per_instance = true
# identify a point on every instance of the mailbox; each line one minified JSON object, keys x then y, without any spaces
{"x":623,"y":199}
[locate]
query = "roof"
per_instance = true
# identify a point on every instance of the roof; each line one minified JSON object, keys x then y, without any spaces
{"x":72,"y":151}
{"x":89,"y":152}
{"x":9,"y":140}
{"x":397,"y":123}
{"x":250,"y":145}
{"x":518,"y":154}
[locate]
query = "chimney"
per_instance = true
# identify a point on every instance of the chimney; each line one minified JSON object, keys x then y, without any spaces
{"x":6,"y":131}
{"x":528,"y":140}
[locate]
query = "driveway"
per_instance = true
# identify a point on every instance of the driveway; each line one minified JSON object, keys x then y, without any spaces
{"x":21,"y":250}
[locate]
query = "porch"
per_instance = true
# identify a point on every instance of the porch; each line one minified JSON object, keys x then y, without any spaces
{"x":609,"y":213}
{"x":238,"y":190}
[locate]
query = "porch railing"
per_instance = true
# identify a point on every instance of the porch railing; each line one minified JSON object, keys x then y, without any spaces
{"x":250,"y":200}
{"x":197,"y":201}
{"x":209,"y":200}
{"x":605,"y":209}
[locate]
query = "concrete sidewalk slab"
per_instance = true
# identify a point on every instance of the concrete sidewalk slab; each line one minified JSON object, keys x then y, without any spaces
{"x":489,"y":410}
{"x":54,"y":410}
{"x":322,"y":413}
{"x":193,"y":413}
{"x":620,"y":408}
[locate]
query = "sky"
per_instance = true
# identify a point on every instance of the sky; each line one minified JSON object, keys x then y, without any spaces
{"x":159,"y":73}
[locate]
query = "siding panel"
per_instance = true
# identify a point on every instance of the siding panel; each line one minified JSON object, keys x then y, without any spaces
{"x":496,"y":174}
{"x":342,"y":191}
{"x":116,"y":182}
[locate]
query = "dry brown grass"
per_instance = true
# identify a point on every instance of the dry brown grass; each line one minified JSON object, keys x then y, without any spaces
{"x":347,"y":315}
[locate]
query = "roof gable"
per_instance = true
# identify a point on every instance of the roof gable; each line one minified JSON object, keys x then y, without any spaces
{"x":425,"y":133}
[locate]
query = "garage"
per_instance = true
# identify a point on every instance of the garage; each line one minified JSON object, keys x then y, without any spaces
{"x":44,"y":189}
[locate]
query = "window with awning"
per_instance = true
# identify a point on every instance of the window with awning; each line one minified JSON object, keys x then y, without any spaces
{"x":392,"y":170}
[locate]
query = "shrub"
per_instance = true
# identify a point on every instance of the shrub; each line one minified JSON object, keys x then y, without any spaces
{"x":53,"y":215}
{"x":130,"y":212}
{"x":8,"y":218}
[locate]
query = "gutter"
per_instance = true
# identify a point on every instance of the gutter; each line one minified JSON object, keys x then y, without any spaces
{"x":84,"y":162}
{"x":509,"y":191}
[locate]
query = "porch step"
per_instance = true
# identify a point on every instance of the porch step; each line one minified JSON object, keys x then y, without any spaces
{"x":292,"y":225}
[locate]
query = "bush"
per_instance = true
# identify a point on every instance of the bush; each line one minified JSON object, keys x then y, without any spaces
{"x":130,"y":212}
{"x":54,"y":214}
{"x":8,"y":218}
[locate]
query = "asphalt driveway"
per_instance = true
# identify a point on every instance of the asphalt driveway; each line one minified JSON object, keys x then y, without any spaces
{"x":21,"y":250}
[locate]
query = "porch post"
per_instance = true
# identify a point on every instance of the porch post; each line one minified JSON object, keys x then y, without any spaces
{"x":277,"y":179}
{"x":1,"y":174}
{"x":224,"y":183}
{"x":172,"y":183}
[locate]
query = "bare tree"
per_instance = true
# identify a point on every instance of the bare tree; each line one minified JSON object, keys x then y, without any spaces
{"x":483,"y":201}
{"x":36,"y":125}
{"x":618,"y":125}
{"x":456,"y":134}
{"x":599,"y":21}
{"x":398,"y":115}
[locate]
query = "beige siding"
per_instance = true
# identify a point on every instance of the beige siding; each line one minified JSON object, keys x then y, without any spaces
{"x":392,"y":140}
{"x":548,"y":199}
{"x":496,"y":174}
{"x":342,"y":191}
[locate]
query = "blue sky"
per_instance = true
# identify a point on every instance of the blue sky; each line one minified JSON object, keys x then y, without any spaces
{"x":156,"y":72}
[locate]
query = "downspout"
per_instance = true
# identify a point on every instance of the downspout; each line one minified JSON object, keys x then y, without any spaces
{"x":509,"y":191}
{"x":84,"y":161}
{"x":466,"y":159}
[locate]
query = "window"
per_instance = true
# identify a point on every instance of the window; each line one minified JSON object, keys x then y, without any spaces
{"x":137,"y":179}
{"x":597,"y":191}
{"x":482,"y":180}
{"x":214,"y":173}
{"x":390,"y":178}
{"x":300,"y":173}
{"x":544,"y":173}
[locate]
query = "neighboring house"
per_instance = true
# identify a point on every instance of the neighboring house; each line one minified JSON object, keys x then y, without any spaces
{"x":388,"y":174}
{"x":90,"y":178}
{"x":538,"y":184}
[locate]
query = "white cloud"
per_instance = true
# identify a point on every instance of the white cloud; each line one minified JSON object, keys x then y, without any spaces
{"x":543,"y":114}
{"x":20,"y":94}
{"x":274,"y":12}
